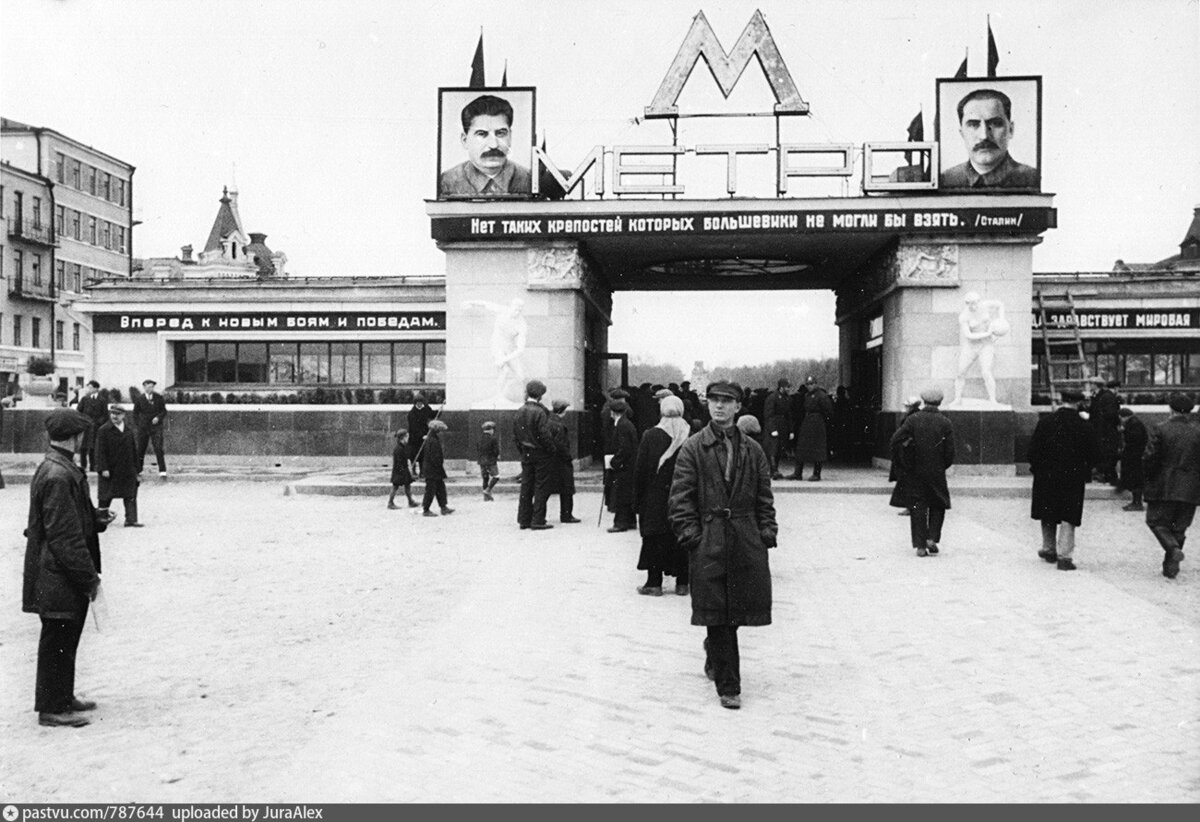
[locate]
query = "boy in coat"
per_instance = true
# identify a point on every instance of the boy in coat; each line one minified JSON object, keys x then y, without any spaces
{"x":401,"y":475}
{"x":1172,"y":466}
{"x":62,"y":567}
{"x":1062,"y":453}
{"x":563,"y":482}
{"x":1133,"y":444}
{"x":118,"y":465}
{"x":487,"y":454}
{"x":722,"y":511}
{"x":932,"y":448}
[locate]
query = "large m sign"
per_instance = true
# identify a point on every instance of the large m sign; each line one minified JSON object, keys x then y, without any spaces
{"x":701,"y":41}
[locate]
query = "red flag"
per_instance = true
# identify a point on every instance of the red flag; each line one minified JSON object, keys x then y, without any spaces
{"x":477,"y":80}
{"x":961,"y":74}
{"x":993,"y":52}
{"x":504,"y":79}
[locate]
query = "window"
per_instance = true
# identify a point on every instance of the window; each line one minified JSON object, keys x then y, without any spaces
{"x":75,"y":222}
{"x":36,"y":265}
{"x":191,"y":361}
{"x":121,"y":239}
{"x":91,"y":230}
{"x":60,"y":167}
{"x":406,"y":360}
{"x":1137,"y":369}
{"x":119,"y":196}
{"x":1168,"y":369}
{"x":35,"y":332}
{"x":37,"y":212}
{"x":17,"y":335}
{"x":344,"y":363}
{"x":377,"y":362}
{"x":76,"y":277}
{"x":222,"y":362}
{"x":282,"y":357}
{"x":60,"y":334}
{"x":314,"y":362}
{"x":76,"y":172}
{"x":18,"y":267}
{"x":60,"y":275}
{"x":105,"y":185}
{"x":91,"y":180}
{"x":106,"y":233}
{"x":60,"y":220}
{"x":435,"y":362}
{"x":252,"y":362}
{"x":75,"y":336}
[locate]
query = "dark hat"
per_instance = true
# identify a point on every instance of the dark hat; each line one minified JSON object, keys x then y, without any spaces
{"x":93,"y":383}
{"x":149,"y":382}
{"x":488,"y":426}
{"x":65,"y":423}
{"x":559,"y":406}
{"x":784,"y":383}
{"x":535,"y":389}
{"x":1181,"y":403}
{"x":1069,"y":395}
{"x":932,"y":396}
{"x":618,"y":405}
{"x":1113,"y":384}
{"x":721,"y":388}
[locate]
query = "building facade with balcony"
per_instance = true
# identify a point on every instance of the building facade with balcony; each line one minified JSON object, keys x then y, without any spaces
{"x":79,"y":230}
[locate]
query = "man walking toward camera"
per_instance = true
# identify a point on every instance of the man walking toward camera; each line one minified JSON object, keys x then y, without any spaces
{"x":118,"y":465}
{"x":722,"y":510}
{"x":62,"y":567}
{"x":149,"y":414}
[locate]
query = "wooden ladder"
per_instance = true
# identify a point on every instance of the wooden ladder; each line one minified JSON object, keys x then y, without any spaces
{"x":1062,"y":345}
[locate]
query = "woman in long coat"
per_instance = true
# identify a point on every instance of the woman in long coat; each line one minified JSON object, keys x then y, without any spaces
{"x":1133,"y":444}
{"x":932,"y":443}
{"x":812,"y":441}
{"x":654,"y":468}
{"x":898,"y":471}
{"x":434,"y":470}
{"x":1062,"y":452}
{"x":624,"y":453}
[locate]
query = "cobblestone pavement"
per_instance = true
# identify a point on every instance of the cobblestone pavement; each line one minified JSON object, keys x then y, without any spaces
{"x":263,"y":647}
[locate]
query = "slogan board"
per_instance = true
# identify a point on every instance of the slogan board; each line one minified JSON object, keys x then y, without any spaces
{"x":1122,"y":319}
{"x":282,"y":322}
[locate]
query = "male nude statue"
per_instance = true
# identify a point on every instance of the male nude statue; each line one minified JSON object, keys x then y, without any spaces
{"x":978,"y":326}
{"x":508,"y":343}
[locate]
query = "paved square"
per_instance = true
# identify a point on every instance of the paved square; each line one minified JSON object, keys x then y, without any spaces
{"x":273,"y":648}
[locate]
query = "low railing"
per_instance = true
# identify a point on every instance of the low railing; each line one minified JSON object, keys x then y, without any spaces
{"x":31,"y":231}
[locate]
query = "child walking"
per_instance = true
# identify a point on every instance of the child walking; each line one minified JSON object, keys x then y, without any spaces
{"x":401,"y":475}
{"x":488,"y":457}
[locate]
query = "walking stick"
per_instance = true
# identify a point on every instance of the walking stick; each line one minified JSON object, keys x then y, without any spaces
{"x":603,"y":497}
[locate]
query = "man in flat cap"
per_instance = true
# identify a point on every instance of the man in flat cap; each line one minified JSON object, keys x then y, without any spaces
{"x":531,"y":433}
{"x":777,"y":424}
{"x":62,"y":567}
{"x":149,"y":414}
{"x":722,"y":511}
{"x":1062,"y":452}
{"x":1104,"y":414}
{"x":118,"y":465}
{"x":563,"y":481}
{"x":95,"y":408}
{"x":929,"y":437}
{"x":1171,"y":464}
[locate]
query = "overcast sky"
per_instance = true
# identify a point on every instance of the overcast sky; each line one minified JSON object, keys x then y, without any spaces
{"x":327,"y":111}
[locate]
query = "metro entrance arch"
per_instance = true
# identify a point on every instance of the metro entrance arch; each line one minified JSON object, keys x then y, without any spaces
{"x":924,"y":263}
{"x":900,"y":268}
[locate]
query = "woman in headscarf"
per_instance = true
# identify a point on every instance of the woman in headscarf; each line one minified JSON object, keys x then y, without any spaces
{"x":655,"y":466}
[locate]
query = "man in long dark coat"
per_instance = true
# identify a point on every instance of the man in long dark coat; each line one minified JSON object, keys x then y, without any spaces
{"x":62,"y":568}
{"x":932,"y":448}
{"x":1062,"y":452}
{"x":96,"y":410}
{"x":419,"y":417}
{"x":620,"y":469}
{"x":532,"y":436}
{"x":1172,"y":465}
{"x":433,"y":467}
{"x":563,"y":481}
{"x":812,"y":438}
{"x":118,"y":465}
{"x":723,"y":512}
{"x":777,"y":424}
{"x":1104,"y":415}
{"x":1133,"y":445}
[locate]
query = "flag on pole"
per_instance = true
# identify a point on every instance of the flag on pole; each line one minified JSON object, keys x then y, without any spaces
{"x":916,"y":134}
{"x":961,"y":74}
{"x":477,"y":80}
{"x":993,"y":52}
{"x":504,"y":79}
